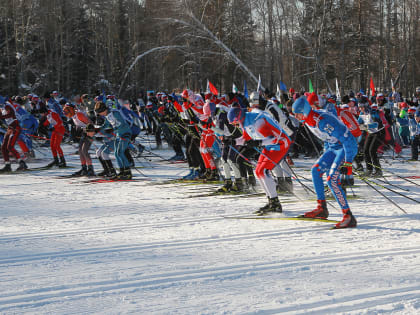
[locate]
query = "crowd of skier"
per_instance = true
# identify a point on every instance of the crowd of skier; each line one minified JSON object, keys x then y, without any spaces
{"x":232,"y":137}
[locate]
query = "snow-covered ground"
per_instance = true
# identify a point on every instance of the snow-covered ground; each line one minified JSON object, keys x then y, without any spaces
{"x":72,"y":247}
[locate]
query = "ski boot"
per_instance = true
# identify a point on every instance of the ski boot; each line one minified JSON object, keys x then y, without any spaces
{"x":111,"y":170}
{"x":281,"y":185}
{"x":125,"y":174}
{"x":189,"y":174}
{"x":321,"y":212}
{"x":238,"y":186}
{"x":53,"y":163}
{"x":90,"y":172}
{"x":252,"y":183}
{"x":81,"y":172}
{"x":226,"y":187}
{"x":368,"y":172}
{"x":349,"y":221}
{"x":6,"y":169}
{"x":205,"y":174}
{"x":288,"y":184}
{"x":213,"y":175}
{"x":273,"y":205}
{"x":105,"y":170}
{"x":62,"y":163}
{"x":377,"y":173}
{"x":22,"y":166}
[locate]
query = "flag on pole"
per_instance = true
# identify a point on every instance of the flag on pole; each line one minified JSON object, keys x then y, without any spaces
{"x":234,"y":89}
{"x":212,"y":88}
{"x":337,"y":90}
{"x":283,"y":87}
{"x":311,"y":88}
{"x":372,"y":87}
{"x":259,"y":88}
{"x":278,"y":93}
{"x":245,"y":90}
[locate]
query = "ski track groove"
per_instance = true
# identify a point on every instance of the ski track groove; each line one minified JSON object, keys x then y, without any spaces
{"x":351,"y":302}
{"x":48,"y":295}
{"x":118,"y":228}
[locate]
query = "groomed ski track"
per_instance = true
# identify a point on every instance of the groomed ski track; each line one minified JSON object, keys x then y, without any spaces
{"x":70,"y":247}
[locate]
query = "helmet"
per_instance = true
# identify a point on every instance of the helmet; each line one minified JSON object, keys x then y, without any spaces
{"x":69,"y":110}
{"x":54,"y":93}
{"x":301,"y":106}
{"x":100,"y":107}
{"x":186,"y":94}
{"x":236,"y":114}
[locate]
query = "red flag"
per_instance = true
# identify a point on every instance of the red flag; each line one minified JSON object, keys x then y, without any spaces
{"x":213,"y":89}
{"x":372,"y":87}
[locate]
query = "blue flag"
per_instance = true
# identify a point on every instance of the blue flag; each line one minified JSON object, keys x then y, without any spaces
{"x":245,"y":90}
{"x":283,"y":87}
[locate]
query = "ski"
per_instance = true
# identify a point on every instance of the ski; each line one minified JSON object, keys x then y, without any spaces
{"x":113,"y":180}
{"x":259,"y":217}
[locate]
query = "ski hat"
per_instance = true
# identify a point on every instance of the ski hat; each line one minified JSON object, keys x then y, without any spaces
{"x":418,"y":89}
{"x":313,"y":99}
{"x":374,"y":106}
{"x":301,"y":106}
{"x":236,"y":115}
{"x":100,"y":107}
{"x":412,"y":110}
{"x":54,"y":93}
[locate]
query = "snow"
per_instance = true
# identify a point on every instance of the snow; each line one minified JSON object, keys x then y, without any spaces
{"x":72,"y":247}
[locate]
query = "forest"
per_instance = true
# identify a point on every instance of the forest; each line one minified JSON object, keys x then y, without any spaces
{"x":126,"y":46}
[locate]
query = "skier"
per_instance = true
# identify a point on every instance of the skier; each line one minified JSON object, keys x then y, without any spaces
{"x":121,"y":129}
{"x":81,"y":120}
{"x":8,"y":113}
{"x":371,"y":119}
{"x":54,"y":120}
{"x":414,"y":123}
{"x":340,"y":148}
{"x":260,"y":126}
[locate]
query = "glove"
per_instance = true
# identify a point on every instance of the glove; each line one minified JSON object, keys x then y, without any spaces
{"x":346,"y":168}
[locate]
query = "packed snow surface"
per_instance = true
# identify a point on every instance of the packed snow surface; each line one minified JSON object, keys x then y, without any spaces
{"x":69,"y":246}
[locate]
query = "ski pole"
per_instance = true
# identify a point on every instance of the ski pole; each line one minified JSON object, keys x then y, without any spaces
{"x":288,"y":173}
{"x":382,"y":194}
{"x":382,"y":186}
{"x":396,"y":175}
